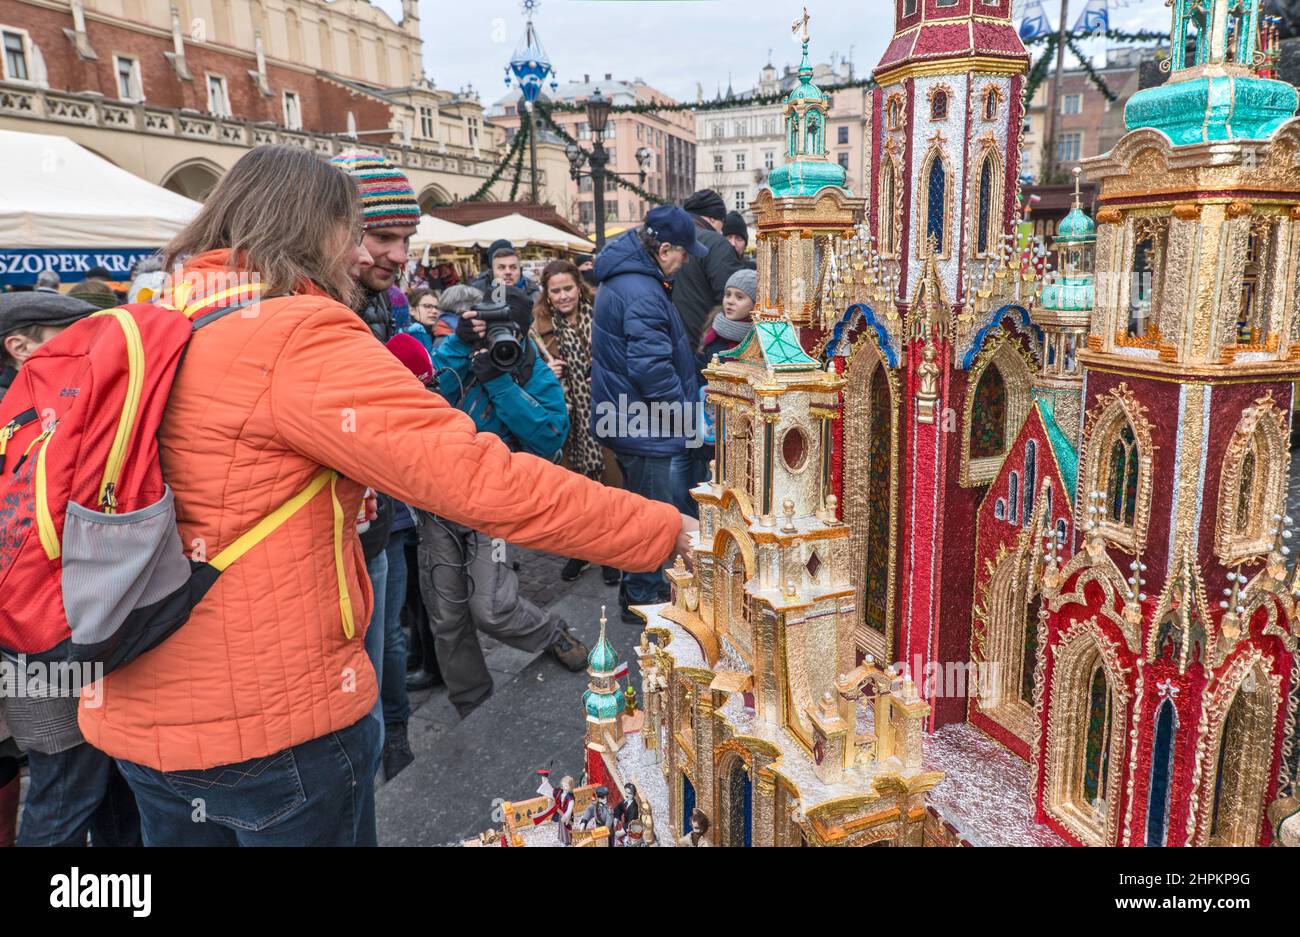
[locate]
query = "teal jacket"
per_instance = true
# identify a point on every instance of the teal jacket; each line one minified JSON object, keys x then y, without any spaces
{"x":532,"y":418}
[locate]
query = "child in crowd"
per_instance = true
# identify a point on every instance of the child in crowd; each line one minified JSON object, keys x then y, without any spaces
{"x":732,"y":324}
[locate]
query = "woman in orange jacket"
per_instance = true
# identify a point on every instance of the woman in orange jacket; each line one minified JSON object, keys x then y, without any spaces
{"x":249,"y":724}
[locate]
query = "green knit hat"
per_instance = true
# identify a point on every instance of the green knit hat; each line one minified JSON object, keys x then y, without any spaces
{"x":387,"y":199}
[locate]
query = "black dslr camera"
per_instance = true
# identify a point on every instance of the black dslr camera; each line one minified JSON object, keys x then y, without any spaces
{"x":503,"y":341}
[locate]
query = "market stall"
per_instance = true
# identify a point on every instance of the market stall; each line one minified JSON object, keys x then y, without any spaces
{"x":62,"y":208}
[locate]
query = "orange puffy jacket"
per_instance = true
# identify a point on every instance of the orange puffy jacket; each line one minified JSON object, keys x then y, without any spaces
{"x":273,"y":655}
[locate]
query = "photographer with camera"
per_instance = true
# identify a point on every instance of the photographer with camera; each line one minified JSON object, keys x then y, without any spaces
{"x":490,"y":369}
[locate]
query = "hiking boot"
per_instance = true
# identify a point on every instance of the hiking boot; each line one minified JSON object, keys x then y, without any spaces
{"x":568,"y":650}
{"x":611,"y":576}
{"x":397,"y":750}
{"x":573,"y":569}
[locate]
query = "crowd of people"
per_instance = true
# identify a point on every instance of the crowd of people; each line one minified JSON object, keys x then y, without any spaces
{"x":472,"y":419}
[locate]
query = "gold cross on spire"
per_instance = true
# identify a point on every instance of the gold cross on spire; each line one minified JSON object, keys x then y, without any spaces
{"x":801,"y":24}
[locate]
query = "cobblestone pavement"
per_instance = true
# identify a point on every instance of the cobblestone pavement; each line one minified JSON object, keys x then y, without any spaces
{"x":534,"y":719}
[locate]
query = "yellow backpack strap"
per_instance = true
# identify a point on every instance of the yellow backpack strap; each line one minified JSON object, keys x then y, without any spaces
{"x":340,"y":569}
{"x":269,"y":524}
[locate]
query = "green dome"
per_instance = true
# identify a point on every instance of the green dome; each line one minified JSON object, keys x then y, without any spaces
{"x":603,"y":705}
{"x":805,"y":177}
{"x":1070,"y":295}
{"x":602,"y":658}
{"x":1076,"y":226}
{"x":805,"y":90}
{"x":1206,"y":109}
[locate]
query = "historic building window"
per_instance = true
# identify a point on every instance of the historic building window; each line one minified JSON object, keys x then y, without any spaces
{"x":1000,"y":509}
{"x":1117,"y":456}
{"x":934,"y":206}
{"x":989,"y":430}
{"x":988,"y":194}
{"x":1071,"y":103}
{"x":1031,"y":479}
{"x":814,"y":143}
{"x":1085,"y":737}
{"x":426,"y":122}
{"x":739,"y":201}
{"x":15,"y":47}
{"x":218,"y":99}
{"x":1253,"y":329}
{"x":129,"y":86}
{"x":1013,"y":498}
{"x":1008,"y":606}
{"x":888,"y":216}
{"x":842,"y":159}
{"x":997,"y":402}
{"x":1069,"y":144}
{"x":1241,"y":763}
{"x":894,"y":112}
{"x":939,"y":104}
{"x":1162,"y":769}
{"x":717,"y":162}
{"x":991,"y":98}
{"x":794,"y":449}
{"x":1252,"y":486}
{"x":740,"y":161}
{"x":769,"y":160}
{"x":909,"y":7}
{"x":292,"y":111}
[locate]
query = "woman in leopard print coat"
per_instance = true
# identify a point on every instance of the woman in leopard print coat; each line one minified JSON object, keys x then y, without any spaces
{"x":562,"y":323}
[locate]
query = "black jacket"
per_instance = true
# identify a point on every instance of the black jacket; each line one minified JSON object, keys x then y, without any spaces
{"x":483,"y":283}
{"x":377,"y":313}
{"x":698,"y":286}
{"x":7,"y":376}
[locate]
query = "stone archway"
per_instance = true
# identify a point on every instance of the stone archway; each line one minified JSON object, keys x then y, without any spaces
{"x":431,"y":197}
{"x":194,"y":179}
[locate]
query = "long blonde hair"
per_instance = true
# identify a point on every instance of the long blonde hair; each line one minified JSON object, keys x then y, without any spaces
{"x":280,"y":210}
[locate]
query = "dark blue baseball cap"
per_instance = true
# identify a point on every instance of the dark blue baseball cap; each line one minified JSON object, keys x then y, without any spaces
{"x":672,"y":225}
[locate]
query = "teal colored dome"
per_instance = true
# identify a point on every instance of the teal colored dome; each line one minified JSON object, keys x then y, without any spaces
{"x":1210,"y":108}
{"x":1076,"y":226}
{"x":805,"y":177}
{"x":805,"y":90}
{"x":602,"y":658}
{"x":603,"y":705}
{"x":1069,"y":295}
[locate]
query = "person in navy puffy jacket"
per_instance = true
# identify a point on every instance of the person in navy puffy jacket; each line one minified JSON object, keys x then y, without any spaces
{"x":644,"y":382}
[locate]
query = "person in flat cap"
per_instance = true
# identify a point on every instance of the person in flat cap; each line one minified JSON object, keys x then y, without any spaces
{"x":598,"y":814}
{"x":698,"y":289}
{"x":28,"y":321}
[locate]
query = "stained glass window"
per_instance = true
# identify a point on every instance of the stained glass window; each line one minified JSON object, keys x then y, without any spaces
{"x":988,"y":435}
{"x":1096,"y":753}
{"x":1122,"y":477}
{"x":1031,"y":478}
{"x":878,"y":506}
{"x":985,"y":206}
{"x":1162,"y":766}
{"x":934,"y":202}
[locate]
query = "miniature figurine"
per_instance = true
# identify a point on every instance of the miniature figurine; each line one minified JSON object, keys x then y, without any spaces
{"x":598,"y":814}
{"x":561,"y":811}
{"x":699,"y":834}
{"x":626,"y":812}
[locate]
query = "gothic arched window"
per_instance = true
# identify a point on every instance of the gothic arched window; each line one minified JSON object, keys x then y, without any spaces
{"x":876,"y":592}
{"x":1096,"y":755}
{"x":1029,"y":650}
{"x":1253,"y":485}
{"x":793,"y":149}
{"x":989,"y":416}
{"x":1122,"y":477}
{"x":1031,"y":478}
{"x":888,"y":214}
{"x":991,"y":103}
{"x":1162,"y":769}
{"x":740,"y":795}
{"x":813,"y":143}
{"x":988,"y":192}
{"x":939,"y":105}
{"x":936,"y":191}
{"x":1241,"y":775}
{"x":1013,"y":498}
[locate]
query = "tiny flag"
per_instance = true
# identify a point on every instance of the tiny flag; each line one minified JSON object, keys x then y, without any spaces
{"x":620,"y":671}
{"x":1095,"y":18}
{"x":1035,"y":23}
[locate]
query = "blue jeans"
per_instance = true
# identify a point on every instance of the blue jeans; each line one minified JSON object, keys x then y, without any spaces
{"x":75,"y":792}
{"x":378,"y":570}
{"x":319,"y":793}
{"x":392,"y":685}
{"x":660,"y":478}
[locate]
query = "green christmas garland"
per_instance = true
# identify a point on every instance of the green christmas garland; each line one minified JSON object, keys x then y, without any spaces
{"x":1093,"y":75}
{"x":1040,"y":70}
{"x":524,"y":130}
{"x":1142,"y":36}
{"x":653,"y":108}
{"x":482,"y":191}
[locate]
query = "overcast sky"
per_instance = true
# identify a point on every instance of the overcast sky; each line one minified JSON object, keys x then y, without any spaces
{"x":673,"y":44}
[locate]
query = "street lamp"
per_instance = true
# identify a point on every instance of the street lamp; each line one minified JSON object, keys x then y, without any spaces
{"x":598,"y":108}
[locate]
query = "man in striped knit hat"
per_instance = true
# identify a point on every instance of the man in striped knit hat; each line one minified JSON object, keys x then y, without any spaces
{"x":389,"y":215}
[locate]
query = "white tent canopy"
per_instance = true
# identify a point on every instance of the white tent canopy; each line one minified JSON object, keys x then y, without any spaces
{"x":521,"y":231}
{"x":436,"y":232}
{"x":55,"y":194}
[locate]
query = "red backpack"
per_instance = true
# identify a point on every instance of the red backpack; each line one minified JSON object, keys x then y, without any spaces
{"x":92,"y":568}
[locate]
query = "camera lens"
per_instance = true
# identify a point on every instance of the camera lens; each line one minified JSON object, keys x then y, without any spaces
{"x":503,"y":348}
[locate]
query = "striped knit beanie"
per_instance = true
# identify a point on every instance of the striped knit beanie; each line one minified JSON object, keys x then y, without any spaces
{"x":387,"y":199}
